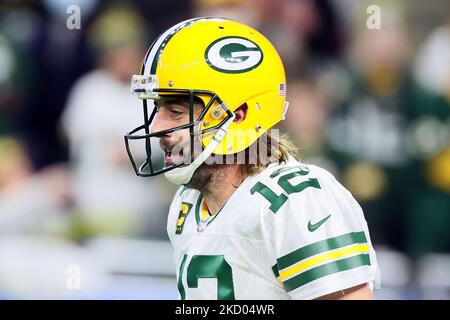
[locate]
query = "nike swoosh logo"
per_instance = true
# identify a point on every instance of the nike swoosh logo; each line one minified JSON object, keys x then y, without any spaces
{"x":313,"y":227}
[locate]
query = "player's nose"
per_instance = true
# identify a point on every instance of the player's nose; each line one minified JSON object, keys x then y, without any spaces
{"x":160,"y":123}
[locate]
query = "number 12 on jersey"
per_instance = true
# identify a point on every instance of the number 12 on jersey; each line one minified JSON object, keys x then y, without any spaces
{"x":276,"y":201}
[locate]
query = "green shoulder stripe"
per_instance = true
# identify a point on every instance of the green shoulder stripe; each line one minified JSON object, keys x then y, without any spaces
{"x":319,"y":247}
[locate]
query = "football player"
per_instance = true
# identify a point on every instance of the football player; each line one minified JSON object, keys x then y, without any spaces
{"x":249,"y":221}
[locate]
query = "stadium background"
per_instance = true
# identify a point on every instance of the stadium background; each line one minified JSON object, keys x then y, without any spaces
{"x":369,"y":105}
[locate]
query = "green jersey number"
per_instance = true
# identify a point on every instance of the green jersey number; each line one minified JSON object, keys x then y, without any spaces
{"x":276,"y":201}
{"x":202,"y":266}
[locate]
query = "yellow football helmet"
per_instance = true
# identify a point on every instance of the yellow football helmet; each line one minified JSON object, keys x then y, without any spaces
{"x":224,"y":63}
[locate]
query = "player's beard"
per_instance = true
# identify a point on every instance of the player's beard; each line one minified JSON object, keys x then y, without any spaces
{"x":207,"y":176}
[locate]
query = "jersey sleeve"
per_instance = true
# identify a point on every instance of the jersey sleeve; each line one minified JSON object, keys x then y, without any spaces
{"x":316,"y":233}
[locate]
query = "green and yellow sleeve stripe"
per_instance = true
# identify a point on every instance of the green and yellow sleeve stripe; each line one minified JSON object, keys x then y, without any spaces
{"x":321,"y":259}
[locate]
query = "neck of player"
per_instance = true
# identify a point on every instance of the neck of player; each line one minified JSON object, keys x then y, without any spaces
{"x":218,"y":193}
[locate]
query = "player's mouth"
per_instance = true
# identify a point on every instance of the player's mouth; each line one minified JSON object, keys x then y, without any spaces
{"x":172,"y":157}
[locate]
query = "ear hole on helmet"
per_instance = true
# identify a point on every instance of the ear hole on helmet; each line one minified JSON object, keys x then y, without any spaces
{"x":241,"y":113}
{"x":220,"y":27}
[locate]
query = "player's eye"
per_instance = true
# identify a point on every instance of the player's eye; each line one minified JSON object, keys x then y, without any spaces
{"x":176,"y":113}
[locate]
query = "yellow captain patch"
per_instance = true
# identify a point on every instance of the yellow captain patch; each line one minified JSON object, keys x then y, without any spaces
{"x":184,"y":211}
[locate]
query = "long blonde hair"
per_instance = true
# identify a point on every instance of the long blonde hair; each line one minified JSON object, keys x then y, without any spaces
{"x":278,"y":149}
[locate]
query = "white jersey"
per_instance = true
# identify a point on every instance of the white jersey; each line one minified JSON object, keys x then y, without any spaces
{"x":289,"y":232}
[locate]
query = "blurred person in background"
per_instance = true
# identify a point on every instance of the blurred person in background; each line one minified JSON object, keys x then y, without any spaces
{"x":430,"y":145}
{"x":30,"y":201}
{"x":34,"y":203}
{"x":308,"y":34}
{"x":240,"y":10}
{"x":373,"y":136}
{"x":17,"y":66}
{"x":308,"y":121}
{"x":367,"y":124}
{"x":49,"y":58}
{"x":99,"y":110}
{"x":432,"y":66}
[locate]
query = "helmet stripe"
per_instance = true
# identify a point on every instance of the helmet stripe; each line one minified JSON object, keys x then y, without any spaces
{"x":144,"y":62}
{"x":159,"y":45}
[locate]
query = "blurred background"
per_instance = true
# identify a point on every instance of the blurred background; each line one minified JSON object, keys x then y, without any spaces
{"x":369,"y":102}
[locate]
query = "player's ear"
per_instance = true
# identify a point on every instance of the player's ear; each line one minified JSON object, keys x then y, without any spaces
{"x":241,"y":113}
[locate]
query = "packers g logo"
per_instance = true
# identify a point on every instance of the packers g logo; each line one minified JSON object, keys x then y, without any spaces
{"x":233,"y":55}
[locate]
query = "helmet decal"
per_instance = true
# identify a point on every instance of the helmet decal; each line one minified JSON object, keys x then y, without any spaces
{"x":233,"y":55}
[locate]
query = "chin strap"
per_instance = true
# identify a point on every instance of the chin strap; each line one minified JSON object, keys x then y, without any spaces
{"x":183,"y":175}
